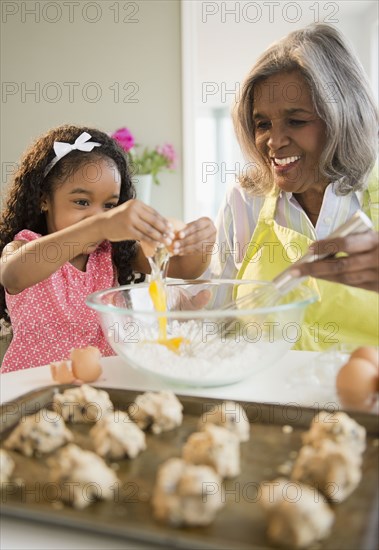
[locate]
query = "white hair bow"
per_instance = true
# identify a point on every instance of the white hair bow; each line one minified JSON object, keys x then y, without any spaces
{"x":61,"y":148}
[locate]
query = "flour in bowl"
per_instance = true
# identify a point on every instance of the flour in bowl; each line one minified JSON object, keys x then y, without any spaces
{"x":206,"y":360}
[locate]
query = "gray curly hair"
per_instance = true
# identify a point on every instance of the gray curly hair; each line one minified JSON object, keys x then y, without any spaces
{"x":342,"y":98}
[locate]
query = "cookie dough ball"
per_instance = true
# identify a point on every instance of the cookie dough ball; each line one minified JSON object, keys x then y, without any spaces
{"x":160,"y":411}
{"x":39,"y":433}
{"x":216,"y":447}
{"x":277,"y":490}
{"x":185,"y":494}
{"x":331,"y":468}
{"x":116,"y":436}
{"x":6,"y":466}
{"x":82,"y":476}
{"x":229,"y":415}
{"x":297,"y":516}
{"x":82,"y":404}
{"x":338,"y":427}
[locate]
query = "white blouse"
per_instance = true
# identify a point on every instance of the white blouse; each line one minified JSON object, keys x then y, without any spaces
{"x":238,"y":217}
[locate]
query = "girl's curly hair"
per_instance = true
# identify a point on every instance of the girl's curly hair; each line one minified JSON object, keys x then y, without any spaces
{"x":29,"y":187}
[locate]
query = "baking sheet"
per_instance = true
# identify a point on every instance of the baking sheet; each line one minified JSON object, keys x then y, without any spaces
{"x":239,"y":525}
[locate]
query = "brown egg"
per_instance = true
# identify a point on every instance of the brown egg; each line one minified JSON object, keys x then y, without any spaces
{"x":178,"y":225}
{"x":149,"y":249}
{"x":357,"y":383}
{"x":86,"y":363}
{"x":61,"y":372}
{"x":369,"y":353}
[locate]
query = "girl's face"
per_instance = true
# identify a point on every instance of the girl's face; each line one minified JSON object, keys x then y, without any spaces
{"x":93,"y":188}
{"x":288,"y":132}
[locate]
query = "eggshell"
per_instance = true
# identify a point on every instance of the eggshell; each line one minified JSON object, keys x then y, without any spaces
{"x":61,"y":372}
{"x":178,"y":225}
{"x":369,"y":353}
{"x":149,"y":249}
{"x":357,"y":383}
{"x":86,"y":363}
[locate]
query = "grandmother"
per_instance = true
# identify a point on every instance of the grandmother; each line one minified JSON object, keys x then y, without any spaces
{"x":308,"y":126}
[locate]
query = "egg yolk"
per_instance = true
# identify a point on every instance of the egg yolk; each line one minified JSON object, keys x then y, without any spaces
{"x":158,"y":296}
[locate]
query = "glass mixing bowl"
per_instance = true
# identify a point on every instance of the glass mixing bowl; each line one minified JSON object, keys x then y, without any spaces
{"x":220,"y":346}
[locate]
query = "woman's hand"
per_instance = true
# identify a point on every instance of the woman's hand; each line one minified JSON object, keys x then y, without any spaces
{"x":135,"y":220}
{"x":360,"y":268}
{"x":183,"y":300}
{"x":197,"y":237}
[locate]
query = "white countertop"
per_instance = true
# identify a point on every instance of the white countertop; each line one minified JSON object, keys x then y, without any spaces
{"x":270,"y":385}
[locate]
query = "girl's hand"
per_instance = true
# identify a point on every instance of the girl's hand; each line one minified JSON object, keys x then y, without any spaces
{"x":135,"y":220}
{"x":360,"y":268}
{"x":196,"y":237}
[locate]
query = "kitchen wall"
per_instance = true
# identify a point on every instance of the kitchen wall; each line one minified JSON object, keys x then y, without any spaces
{"x":232,"y":35}
{"x":103,"y":63}
{"x":111,"y":63}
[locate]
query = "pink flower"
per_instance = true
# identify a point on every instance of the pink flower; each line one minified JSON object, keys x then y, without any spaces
{"x":168,"y":151}
{"x":125,"y":138}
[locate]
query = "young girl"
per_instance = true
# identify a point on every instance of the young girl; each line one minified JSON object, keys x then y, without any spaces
{"x":70,"y":227}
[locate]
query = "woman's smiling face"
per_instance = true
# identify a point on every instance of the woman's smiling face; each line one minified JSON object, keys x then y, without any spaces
{"x":288,"y":132}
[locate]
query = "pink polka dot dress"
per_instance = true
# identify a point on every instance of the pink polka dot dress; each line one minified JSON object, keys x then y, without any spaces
{"x":51,"y":317}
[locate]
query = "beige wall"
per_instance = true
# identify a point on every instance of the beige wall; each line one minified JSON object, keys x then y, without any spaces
{"x":92,"y":51}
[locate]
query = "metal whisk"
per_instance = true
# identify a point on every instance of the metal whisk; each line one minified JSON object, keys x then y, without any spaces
{"x":270,"y":294}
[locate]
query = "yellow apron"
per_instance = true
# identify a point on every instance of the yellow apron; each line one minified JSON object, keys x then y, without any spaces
{"x":370,"y":203}
{"x":343,"y":314}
